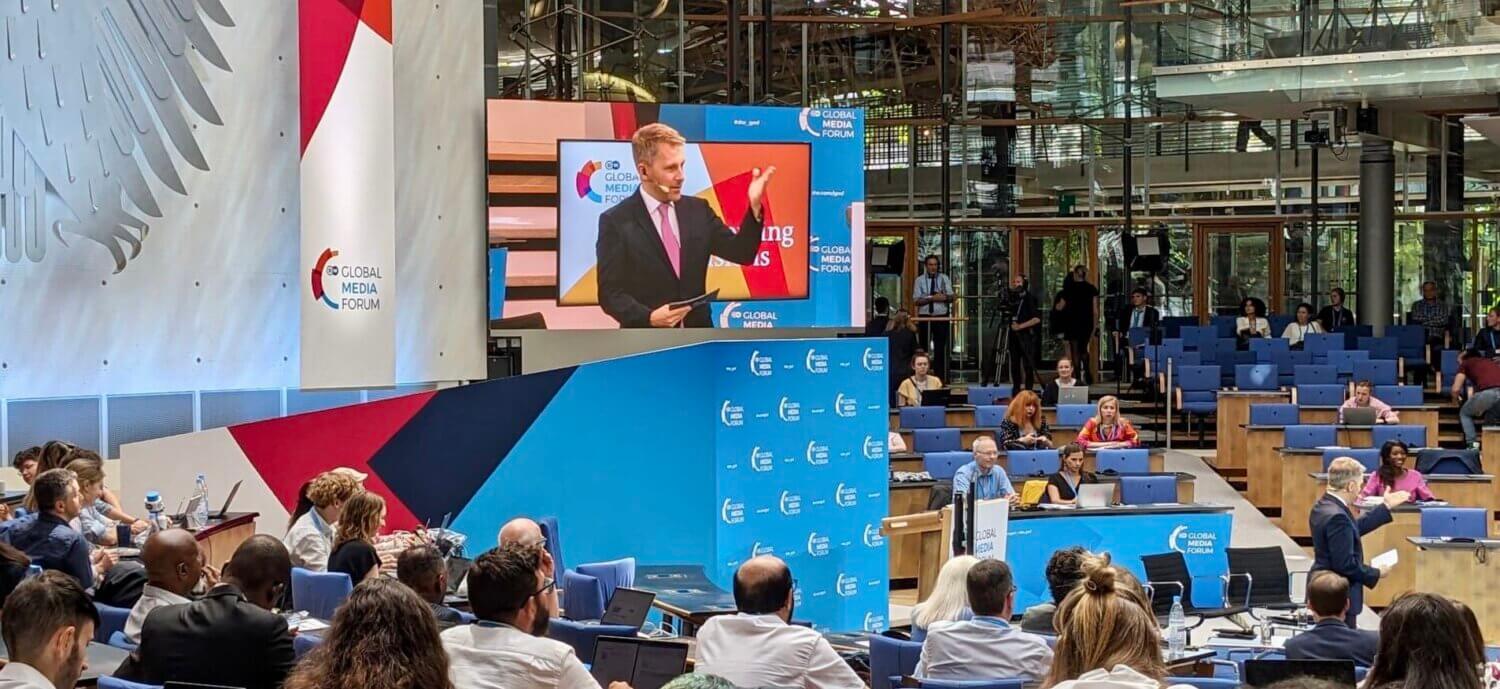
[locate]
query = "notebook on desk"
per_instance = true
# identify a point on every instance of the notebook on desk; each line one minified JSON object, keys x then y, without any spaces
{"x":642,"y":663}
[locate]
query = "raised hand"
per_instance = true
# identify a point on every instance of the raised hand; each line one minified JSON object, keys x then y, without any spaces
{"x":758,"y":180}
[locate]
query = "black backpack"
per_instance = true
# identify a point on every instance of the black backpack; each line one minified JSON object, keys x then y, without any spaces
{"x":1441,"y":461}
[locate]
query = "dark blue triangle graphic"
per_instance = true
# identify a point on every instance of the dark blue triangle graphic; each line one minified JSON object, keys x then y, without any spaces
{"x":440,"y":458}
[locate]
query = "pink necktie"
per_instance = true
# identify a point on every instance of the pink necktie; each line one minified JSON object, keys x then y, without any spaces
{"x":669,"y":239}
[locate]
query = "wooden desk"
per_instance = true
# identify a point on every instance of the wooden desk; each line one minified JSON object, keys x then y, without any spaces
{"x":905,"y":548}
{"x":1425,"y":415}
{"x":953,"y":417}
{"x":906,"y":461}
{"x":1454,"y":570}
{"x":1234,"y":412}
{"x":1263,"y":465}
{"x":1299,"y":490}
{"x":1406,"y":524}
{"x":934,"y":532}
{"x":220,"y":538}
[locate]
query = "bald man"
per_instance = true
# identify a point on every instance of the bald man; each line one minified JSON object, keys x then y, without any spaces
{"x":523,"y":531}
{"x":758,"y":647}
{"x":174,"y":566}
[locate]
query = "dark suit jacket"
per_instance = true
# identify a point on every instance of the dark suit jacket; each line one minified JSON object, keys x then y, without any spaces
{"x":1337,"y":548}
{"x":219,"y":639}
{"x":1334,"y":640}
{"x":635,"y":275}
{"x":1148,"y":319}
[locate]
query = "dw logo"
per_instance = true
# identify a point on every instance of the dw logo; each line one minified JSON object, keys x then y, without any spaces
{"x":760,"y":366}
{"x":732,"y":512}
{"x":816,"y":363}
{"x":874,"y":622}
{"x":873,"y":449}
{"x":846,"y":407}
{"x":873,"y":360}
{"x":846,"y":585}
{"x":872,"y":537}
{"x":761,"y":460}
{"x":757,"y":550}
{"x":845,"y":497}
{"x":791,"y":503}
{"x":817,"y":546}
{"x":817,"y":453}
{"x":789,"y":411}
{"x":731,"y":414}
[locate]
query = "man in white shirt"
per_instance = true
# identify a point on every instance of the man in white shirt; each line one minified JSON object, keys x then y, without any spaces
{"x":174,"y":566}
{"x":49,"y":621}
{"x":758,"y":647}
{"x":986,"y":647}
{"x":933,"y":293}
{"x":506,"y":648}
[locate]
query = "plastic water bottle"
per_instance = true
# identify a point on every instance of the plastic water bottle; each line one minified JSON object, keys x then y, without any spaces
{"x":200,"y":493}
{"x":156,"y":512}
{"x":1176,"y":629}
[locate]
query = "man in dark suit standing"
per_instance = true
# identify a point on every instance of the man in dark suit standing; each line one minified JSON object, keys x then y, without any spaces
{"x":1337,"y":525}
{"x":1330,"y":638}
{"x":228,"y":637}
{"x":653,"y":247}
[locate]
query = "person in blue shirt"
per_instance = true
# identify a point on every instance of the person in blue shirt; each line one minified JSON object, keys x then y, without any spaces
{"x":47,"y":536}
{"x":1331,"y":638}
{"x":984,"y":475}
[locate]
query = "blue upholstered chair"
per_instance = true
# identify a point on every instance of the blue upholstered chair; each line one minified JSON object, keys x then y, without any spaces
{"x":589,"y":587}
{"x":1031,"y":462}
{"x":1411,"y":345}
{"x":1449,"y":362}
{"x":1074,"y":415}
{"x":1413,"y":436}
{"x":1275,"y":414}
{"x":584,"y":636}
{"x":1319,"y":345}
{"x":1315,"y":374}
{"x":923,"y":417}
{"x":988,"y":395}
{"x":989,"y":415}
{"x":1399,"y":395}
{"x":553,"y":533}
{"x":1200,"y":338}
{"x":1124,"y":461}
{"x":936,"y":440}
{"x":1320,"y":395}
{"x":319,"y":593}
{"x":111,"y":620}
{"x":942,"y":465}
{"x":892,"y":659}
{"x":1381,"y":348}
{"x":1309,"y":436}
{"x":1265,"y":348}
{"x":1455,"y":522}
{"x":1197,"y":390}
{"x":1148,"y":490}
{"x":118,"y":640}
{"x":1171,"y":326}
{"x":1256,"y":377}
{"x":971,"y":684}
{"x":1367,"y":456}
{"x":107,"y":682}
{"x":303,"y":644}
{"x":1377,"y":371}
{"x":1279,"y":322}
{"x":1344,"y":361}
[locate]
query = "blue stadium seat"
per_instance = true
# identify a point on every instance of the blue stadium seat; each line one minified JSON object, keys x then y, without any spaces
{"x":1344,"y":360}
{"x":1320,"y":395}
{"x":1031,"y":462}
{"x":319,"y":593}
{"x":108,"y":682}
{"x":1279,"y":322}
{"x":1223,"y":326}
{"x":923,"y":417}
{"x":1265,"y":348}
{"x":1377,"y":371}
{"x":1256,"y":377}
{"x":1197,"y":390}
{"x":942,"y":465}
{"x":926,"y":440}
{"x":989,"y":415}
{"x":1368,"y":456}
{"x":1200,"y":338}
{"x":303,"y":644}
{"x":1138,"y":337}
{"x":583,"y":637}
{"x":1317,"y":374}
{"x":1321,"y":344}
{"x":118,"y":640}
{"x":1287,"y":363}
{"x":1148,"y":490}
{"x":111,"y":620}
{"x":1306,"y":437}
{"x":1274,"y":415}
{"x":1455,"y":522}
{"x":1122,"y":461}
{"x":1449,"y":362}
{"x":1412,"y":345}
{"x":1413,"y":436}
{"x":1171,"y":326}
{"x":1381,"y":348}
{"x":1074,"y":415}
{"x":1399,"y":395}
{"x":892,"y":659}
{"x":982,"y":395}
{"x":588,"y":587}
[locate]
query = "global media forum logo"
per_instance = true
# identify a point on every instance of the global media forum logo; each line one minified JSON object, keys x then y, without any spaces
{"x":346,"y":286}
{"x":604,"y":181}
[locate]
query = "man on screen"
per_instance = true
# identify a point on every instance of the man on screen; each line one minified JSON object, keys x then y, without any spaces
{"x":654,"y":246}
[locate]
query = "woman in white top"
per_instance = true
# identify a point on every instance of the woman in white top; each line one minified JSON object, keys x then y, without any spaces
{"x":910,"y":392}
{"x":949,"y":600}
{"x":1251,"y":323}
{"x":309,"y":539}
{"x":1296,"y":332}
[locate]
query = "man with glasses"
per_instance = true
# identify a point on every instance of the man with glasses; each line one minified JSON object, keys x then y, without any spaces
{"x":984,"y":475}
{"x":987,"y":645}
{"x":526,"y":532}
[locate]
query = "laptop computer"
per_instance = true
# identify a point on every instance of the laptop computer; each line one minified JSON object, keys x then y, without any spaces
{"x":940,"y":397}
{"x":1359,"y":416}
{"x":192,"y":504}
{"x":1095,"y":495}
{"x":643,"y":663}
{"x":1078,"y":394}
{"x":1262,"y":673}
{"x":628,"y":606}
{"x":458,"y":568}
{"x":224,"y":511}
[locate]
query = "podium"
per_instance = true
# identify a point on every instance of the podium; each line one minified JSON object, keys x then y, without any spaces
{"x":1463,"y":571}
{"x":933,"y":531}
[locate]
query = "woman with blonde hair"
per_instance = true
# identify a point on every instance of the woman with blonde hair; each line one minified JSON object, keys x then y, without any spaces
{"x":1023,"y":427}
{"x":949,"y":600}
{"x":1108,"y":430}
{"x":354,"y":554}
{"x":1106,"y":634}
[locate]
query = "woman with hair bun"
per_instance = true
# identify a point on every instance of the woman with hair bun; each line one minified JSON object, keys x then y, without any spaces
{"x":1107,"y":637}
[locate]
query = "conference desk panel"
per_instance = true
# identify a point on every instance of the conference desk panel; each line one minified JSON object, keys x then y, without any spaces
{"x":912,"y":461}
{"x":1489,"y":453}
{"x":1263,"y":465}
{"x":966,"y":436}
{"x":1234,"y":412}
{"x":954,"y":417}
{"x":1458,"y":570}
{"x":1425,"y":415}
{"x":220,"y":538}
{"x":906,"y":550}
{"x":1298,"y":490}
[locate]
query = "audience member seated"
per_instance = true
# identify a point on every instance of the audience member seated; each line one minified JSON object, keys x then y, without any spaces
{"x":507,"y":647}
{"x":1489,"y":673}
{"x":758,"y":647}
{"x":14,"y":566}
{"x":694,"y":680}
{"x":984,"y":475}
{"x":94,"y":517}
{"x":228,"y":637}
{"x":986,"y":647}
{"x":26,"y":462}
{"x":174,"y":566}
{"x":1425,"y":643}
{"x":56,"y":454}
{"x":949,"y":600}
{"x":1107,"y":429}
{"x":1107,"y":636}
{"x":1336,"y":317}
{"x":383,"y":637}
{"x":1484,"y":375}
{"x":309,"y":537}
{"x":1393,"y":474}
{"x":423,"y":571}
{"x":47,"y":536}
{"x":1023,"y":427}
{"x":1064,"y":571}
{"x":1487,"y":340}
{"x":1141,"y":313}
{"x":49,"y":621}
{"x":1251,"y":323}
{"x":354,"y":554}
{"x":1330,"y":638}
{"x":1364,"y":397}
{"x":1298,"y":330}
{"x":1064,"y":379}
{"x":910,"y":391}
{"x":1062,"y":486}
{"x":526,"y":532}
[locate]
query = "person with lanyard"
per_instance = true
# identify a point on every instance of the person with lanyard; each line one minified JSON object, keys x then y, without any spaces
{"x":984,"y":476}
{"x":933,"y":293}
{"x":1335,"y":317}
{"x":1297,"y":331}
{"x":1107,"y":430}
{"x":1025,"y":336}
{"x":1062,"y":486}
{"x":1142,"y":313}
{"x":1487,"y":340}
{"x":910,"y":392}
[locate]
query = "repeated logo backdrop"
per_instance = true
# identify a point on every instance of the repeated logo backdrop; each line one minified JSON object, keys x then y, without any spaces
{"x":803,"y":473}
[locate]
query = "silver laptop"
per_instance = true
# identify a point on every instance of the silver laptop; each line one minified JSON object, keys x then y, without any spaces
{"x":1095,"y":495}
{"x":1078,"y":394}
{"x":1359,"y":416}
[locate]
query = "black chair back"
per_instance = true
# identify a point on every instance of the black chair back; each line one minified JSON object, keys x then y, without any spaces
{"x":1269,"y":585}
{"x":1168,"y":567}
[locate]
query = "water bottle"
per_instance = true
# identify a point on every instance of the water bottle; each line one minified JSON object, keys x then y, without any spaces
{"x":1176,"y":629}
{"x":200,"y":494}
{"x":156,"y":515}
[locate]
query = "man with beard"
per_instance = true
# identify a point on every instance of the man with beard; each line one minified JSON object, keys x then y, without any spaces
{"x":759,"y":647}
{"x":49,"y":621}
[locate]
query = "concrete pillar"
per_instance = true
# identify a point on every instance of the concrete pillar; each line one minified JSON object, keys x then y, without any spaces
{"x":1377,"y":233}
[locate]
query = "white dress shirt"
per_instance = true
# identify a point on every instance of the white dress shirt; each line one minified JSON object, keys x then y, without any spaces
{"x":763,"y":651}
{"x":983,"y":648}
{"x":486,"y":655}
{"x":152,"y":597}
{"x":22,"y":676}
{"x":310,"y":542}
{"x":652,"y":209}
